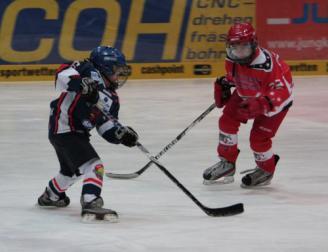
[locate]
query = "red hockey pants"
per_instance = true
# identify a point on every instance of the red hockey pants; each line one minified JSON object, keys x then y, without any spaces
{"x":263,"y":130}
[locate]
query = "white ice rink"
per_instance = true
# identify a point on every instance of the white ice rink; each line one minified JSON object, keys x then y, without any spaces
{"x":155,"y":215}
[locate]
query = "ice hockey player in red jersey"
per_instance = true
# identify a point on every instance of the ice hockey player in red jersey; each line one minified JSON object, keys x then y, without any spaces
{"x":87,"y":100}
{"x":263,"y":93}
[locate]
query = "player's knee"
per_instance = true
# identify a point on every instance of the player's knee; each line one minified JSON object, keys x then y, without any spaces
{"x":260,"y":141}
{"x":94,"y":166}
{"x":228,"y":124}
{"x":88,"y":166}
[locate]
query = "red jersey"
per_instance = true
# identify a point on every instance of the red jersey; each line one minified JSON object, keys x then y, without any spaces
{"x":267,"y":75}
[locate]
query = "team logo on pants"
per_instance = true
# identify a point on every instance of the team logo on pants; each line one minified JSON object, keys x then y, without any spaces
{"x":99,"y":171}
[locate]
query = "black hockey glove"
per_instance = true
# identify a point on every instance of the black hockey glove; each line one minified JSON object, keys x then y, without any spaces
{"x":127,"y":136}
{"x":222,"y":91}
{"x":89,"y":88}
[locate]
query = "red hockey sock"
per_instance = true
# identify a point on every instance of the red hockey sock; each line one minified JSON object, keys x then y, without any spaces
{"x":268,"y":165}
{"x":229,"y":152}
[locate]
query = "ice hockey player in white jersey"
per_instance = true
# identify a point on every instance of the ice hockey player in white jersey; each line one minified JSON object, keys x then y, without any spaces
{"x":87,"y":100}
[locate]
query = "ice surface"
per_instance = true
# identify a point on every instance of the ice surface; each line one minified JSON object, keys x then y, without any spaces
{"x":289,"y":215}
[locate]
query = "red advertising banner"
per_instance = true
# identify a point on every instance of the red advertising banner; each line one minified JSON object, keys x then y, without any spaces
{"x":295,"y":29}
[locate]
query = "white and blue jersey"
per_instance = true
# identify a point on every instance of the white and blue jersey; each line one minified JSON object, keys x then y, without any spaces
{"x":71,"y":112}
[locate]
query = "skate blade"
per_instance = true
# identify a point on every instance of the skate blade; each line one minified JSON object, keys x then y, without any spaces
{"x":46,"y":207}
{"x":93,"y":218}
{"x":255,"y":186}
{"x":222,"y":181}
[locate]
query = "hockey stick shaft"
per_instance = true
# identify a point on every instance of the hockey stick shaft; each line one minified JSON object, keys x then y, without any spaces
{"x":165,"y":149}
{"x":214,"y":212}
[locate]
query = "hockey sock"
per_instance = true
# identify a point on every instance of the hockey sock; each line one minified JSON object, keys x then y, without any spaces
{"x":227,"y":147}
{"x":93,"y":172}
{"x":59,"y":184}
{"x":265,"y":161}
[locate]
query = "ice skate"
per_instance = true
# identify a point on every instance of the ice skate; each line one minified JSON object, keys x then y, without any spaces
{"x":45,"y":201}
{"x":221,"y":173}
{"x":93,"y":211}
{"x":257,"y":177}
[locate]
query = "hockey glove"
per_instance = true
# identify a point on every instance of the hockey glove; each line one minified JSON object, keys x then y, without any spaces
{"x":89,"y":88}
{"x":222,"y":92}
{"x":127,"y":136}
{"x":254,"y":107}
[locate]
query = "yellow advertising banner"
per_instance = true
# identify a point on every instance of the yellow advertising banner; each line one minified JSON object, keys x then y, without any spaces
{"x":160,"y":39}
{"x":157,"y":70}
{"x":208,"y":24}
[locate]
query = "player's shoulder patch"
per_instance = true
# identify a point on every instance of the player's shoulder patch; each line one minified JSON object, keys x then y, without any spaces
{"x":266,"y":64}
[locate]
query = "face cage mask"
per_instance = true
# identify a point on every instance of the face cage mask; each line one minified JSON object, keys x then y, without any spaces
{"x":241,"y":53}
{"x":118,"y":78}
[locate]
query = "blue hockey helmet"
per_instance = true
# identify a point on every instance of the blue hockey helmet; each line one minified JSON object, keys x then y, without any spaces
{"x":110,"y":62}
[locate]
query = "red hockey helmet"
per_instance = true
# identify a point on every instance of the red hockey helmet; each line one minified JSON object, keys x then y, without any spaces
{"x":241,"y":43}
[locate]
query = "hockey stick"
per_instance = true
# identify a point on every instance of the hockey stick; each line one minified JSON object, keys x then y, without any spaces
{"x":164,"y":150}
{"x":214,"y":212}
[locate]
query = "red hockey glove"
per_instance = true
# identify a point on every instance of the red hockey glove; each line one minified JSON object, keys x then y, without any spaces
{"x":253,"y":107}
{"x":222,"y":92}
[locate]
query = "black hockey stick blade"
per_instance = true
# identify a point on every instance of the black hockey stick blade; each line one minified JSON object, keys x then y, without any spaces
{"x":214,"y":212}
{"x":225,"y":211}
